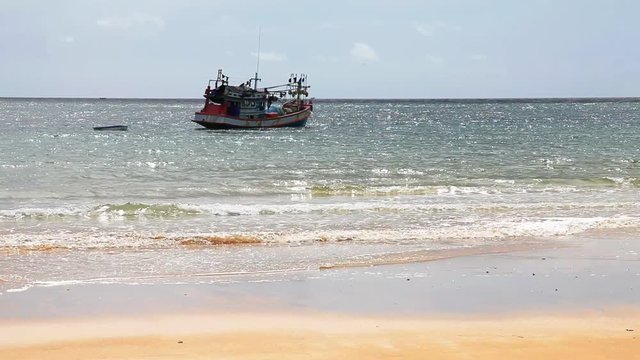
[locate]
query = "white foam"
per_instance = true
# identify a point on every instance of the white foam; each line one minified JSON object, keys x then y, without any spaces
{"x":452,"y":199}
{"x":455,"y":190}
{"x":44,"y":212}
{"x":20,"y":289}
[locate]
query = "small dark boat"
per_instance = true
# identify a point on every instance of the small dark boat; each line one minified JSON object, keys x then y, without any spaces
{"x":112,"y":127}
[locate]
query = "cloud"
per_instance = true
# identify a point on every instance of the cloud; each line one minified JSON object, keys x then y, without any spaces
{"x":363,"y":52}
{"x":68,"y":39}
{"x":429,"y":29}
{"x":270,"y":56}
{"x":130,"y":21}
{"x":478,"y":57}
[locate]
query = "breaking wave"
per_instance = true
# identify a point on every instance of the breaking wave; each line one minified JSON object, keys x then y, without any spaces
{"x":147,"y":210}
{"x":448,"y":200}
{"x":106,"y":211}
{"x":470,"y":233}
{"x":218,"y":240}
{"x":478,"y":186}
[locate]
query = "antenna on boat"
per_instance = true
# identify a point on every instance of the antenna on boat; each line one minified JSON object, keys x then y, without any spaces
{"x":256,"y":79}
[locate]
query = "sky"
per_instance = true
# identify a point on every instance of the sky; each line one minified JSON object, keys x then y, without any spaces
{"x":348,"y":49}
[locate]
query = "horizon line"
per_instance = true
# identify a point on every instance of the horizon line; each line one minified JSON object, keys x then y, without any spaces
{"x":340,"y":98}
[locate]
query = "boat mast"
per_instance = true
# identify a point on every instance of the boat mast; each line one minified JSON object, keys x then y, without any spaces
{"x":256,"y":79}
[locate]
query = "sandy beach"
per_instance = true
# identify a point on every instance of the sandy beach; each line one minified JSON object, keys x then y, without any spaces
{"x":296,"y":336}
{"x":578,"y":300}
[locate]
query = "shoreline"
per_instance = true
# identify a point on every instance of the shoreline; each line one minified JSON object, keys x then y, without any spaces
{"x":566,"y":302}
{"x":594,"y":274}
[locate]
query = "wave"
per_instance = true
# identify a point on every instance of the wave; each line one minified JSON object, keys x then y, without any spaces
{"x":473,"y":232}
{"x":469,"y":201}
{"x":606,"y":182}
{"x":147,"y":210}
{"x":217,"y":240}
{"x":106,"y":211}
{"x":478,"y":186}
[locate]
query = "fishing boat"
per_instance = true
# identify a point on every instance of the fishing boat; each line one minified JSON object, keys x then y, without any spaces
{"x":246,"y":106}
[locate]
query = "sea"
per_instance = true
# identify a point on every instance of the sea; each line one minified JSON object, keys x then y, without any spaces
{"x":365,"y":183}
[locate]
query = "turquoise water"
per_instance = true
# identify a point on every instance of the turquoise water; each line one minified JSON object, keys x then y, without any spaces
{"x":363,"y":181}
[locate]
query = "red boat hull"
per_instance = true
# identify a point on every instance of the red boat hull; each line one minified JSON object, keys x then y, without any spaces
{"x":220,"y":121}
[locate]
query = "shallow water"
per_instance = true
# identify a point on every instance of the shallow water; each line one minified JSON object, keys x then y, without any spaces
{"x":364,"y":179}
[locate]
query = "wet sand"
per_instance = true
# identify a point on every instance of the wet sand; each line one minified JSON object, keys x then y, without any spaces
{"x":579,"y":300}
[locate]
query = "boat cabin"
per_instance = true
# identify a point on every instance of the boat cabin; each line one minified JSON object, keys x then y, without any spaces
{"x":247,"y":102}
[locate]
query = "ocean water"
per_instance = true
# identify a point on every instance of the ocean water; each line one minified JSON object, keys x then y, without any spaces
{"x":366,"y":182}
